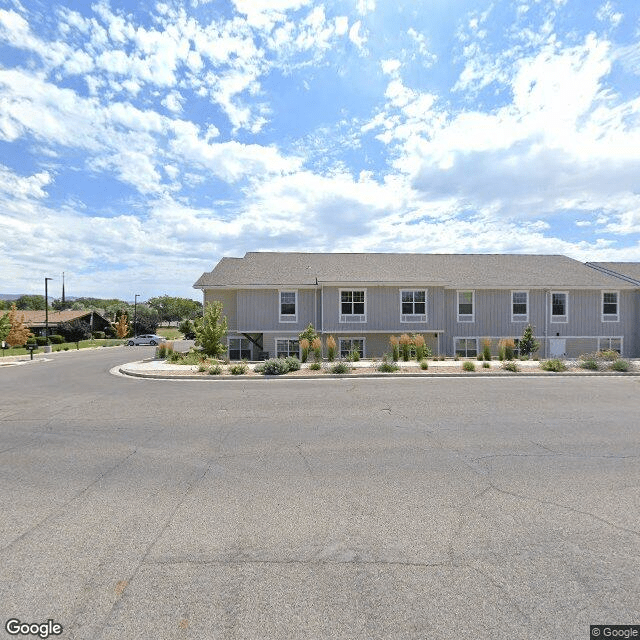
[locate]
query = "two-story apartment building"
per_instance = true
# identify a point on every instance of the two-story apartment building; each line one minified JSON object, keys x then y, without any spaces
{"x":455,"y":301}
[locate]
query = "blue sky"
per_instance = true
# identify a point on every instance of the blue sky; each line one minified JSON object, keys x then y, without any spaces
{"x":140,"y":145}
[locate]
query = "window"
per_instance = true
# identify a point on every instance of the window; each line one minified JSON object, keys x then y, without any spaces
{"x":286,"y":347}
{"x":347,"y":345}
{"x":519,"y":306}
{"x":413,"y":306}
{"x":466,"y":347}
{"x":288,"y":306}
{"x":610,"y":306}
{"x":352,"y":306}
{"x":559,"y":310}
{"x":610,"y":344}
{"x":466,"y":306}
{"x":239,"y":349}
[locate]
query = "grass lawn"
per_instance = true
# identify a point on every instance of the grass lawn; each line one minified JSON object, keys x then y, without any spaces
{"x":170,"y":333}
{"x":84,"y":344}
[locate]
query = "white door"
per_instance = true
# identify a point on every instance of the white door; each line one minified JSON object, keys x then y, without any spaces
{"x":557,"y":347}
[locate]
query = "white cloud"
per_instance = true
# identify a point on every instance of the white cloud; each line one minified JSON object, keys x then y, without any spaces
{"x":355,"y":36}
{"x":607,"y":13}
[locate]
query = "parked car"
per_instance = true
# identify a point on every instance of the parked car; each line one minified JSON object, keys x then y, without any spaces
{"x":147,"y":338}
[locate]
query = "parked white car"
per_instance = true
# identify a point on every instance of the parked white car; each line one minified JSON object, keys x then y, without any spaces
{"x":147,"y":338}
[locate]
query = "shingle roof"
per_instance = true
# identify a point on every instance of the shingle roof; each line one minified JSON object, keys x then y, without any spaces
{"x":629,"y":270}
{"x":448,"y":270}
{"x":36,"y":318}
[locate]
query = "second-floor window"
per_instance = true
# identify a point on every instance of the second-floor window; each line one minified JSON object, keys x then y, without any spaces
{"x":466,"y":310}
{"x":353,"y":305}
{"x":288,"y":306}
{"x":610,"y":306}
{"x":559,"y":306}
{"x":519,"y":306}
{"x":413,"y":305}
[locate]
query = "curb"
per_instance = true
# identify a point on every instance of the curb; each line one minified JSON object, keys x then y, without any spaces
{"x":507,"y":374}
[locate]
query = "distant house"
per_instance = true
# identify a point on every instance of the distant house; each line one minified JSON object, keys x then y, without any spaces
{"x":455,"y":301}
{"x":35,"y":320}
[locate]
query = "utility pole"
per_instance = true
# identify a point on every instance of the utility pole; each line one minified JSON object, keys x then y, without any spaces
{"x":135,"y":315}
{"x":46,"y":309}
{"x":63,"y":301}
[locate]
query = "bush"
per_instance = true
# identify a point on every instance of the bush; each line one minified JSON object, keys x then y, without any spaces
{"x":99,"y":335}
{"x":510,"y":366}
{"x":620,"y":365}
{"x":354,"y":356}
{"x":486,"y":349}
{"x":187,"y":329}
{"x":406,"y":347}
{"x":215,"y":370}
{"x":56,"y":339}
{"x":589,"y":364}
{"x":316,"y":347}
{"x":387,"y":367}
{"x":607,"y":355}
{"x":468,"y":366}
{"x":554,"y":364}
{"x":421,"y":348}
{"x":340,"y":367}
{"x":275,"y":367}
{"x":202,"y":368}
{"x":315,"y":366}
{"x":238,"y":369}
{"x":293,"y":364}
{"x":486,"y":365}
{"x":506,"y":347}
{"x":259,"y":368}
{"x":424,"y":365}
{"x":41,"y":341}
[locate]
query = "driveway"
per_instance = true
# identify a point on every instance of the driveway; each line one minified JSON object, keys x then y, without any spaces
{"x":394,"y":508}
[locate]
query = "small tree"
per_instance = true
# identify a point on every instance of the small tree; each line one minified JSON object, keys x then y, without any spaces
{"x":75,"y":331}
{"x":122,"y":326}
{"x":19,"y":333}
{"x":187,"y":329}
{"x":211,"y":330}
{"x":5,"y":326}
{"x":528,"y":344}
{"x":308,"y":334}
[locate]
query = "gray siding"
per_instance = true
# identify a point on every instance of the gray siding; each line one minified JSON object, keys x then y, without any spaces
{"x":259,"y":310}
{"x":228,"y":299}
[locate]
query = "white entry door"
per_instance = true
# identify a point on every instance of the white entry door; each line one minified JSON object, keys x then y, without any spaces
{"x":557,"y":347}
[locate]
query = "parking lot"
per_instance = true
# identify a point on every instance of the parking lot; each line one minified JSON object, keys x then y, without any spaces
{"x":395,"y":508}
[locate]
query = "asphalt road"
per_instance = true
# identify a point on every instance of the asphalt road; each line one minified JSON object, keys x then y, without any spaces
{"x":350,"y":509}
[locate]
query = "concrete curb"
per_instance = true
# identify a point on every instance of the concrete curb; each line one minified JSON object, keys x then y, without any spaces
{"x":155,"y":375}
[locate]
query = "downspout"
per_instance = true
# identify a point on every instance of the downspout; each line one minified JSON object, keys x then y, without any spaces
{"x":322,"y":309}
{"x":546,"y":320}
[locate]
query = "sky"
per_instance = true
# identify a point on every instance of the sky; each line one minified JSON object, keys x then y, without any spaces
{"x":142,"y":142}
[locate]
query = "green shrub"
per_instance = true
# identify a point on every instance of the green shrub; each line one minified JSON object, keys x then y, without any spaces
{"x":480,"y":357}
{"x":99,"y":335}
{"x":608,"y":355}
{"x":66,"y":348}
{"x":510,"y":366}
{"x":275,"y":367}
{"x":486,"y":365}
{"x":56,"y":339}
{"x":41,"y":341}
{"x":395,"y":348}
{"x":354,"y":356}
{"x":486,"y":349}
{"x":554,"y":364}
{"x":424,"y":365}
{"x":238,"y":369}
{"x":387,"y":366}
{"x":590,"y":364}
{"x":340,"y":367}
{"x":620,"y":365}
{"x":293,"y":363}
{"x":215,"y":370}
{"x":468,"y":366}
{"x":259,"y":368}
{"x":315,"y":366}
{"x":202,"y":368}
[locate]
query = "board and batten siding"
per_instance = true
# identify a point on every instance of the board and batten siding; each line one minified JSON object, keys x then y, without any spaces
{"x":228,"y":299}
{"x":259,"y":310}
{"x":382,"y":310}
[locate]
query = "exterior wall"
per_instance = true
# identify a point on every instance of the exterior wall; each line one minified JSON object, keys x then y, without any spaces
{"x":258,"y":311}
{"x":382,"y":311}
{"x":228,"y":299}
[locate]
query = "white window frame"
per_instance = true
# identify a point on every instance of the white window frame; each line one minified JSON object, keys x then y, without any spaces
{"x":352,"y":317}
{"x":466,"y":317}
{"x":287,"y":317}
{"x":351,"y":339}
{"x":413,"y":317}
{"x":467,"y":340}
{"x":520,"y":317}
{"x":602,"y":347}
{"x":289,"y":340}
{"x":559,"y":319}
{"x":610,"y":317}
{"x":241,"y":338}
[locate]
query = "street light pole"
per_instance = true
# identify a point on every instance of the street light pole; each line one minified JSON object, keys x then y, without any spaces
{"x":46,"y":310}
{"x":135,"y":315}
